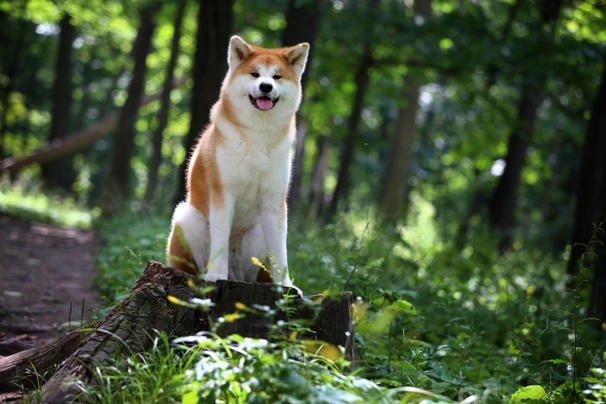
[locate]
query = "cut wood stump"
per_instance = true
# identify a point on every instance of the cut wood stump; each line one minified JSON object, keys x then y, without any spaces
{"x":131,"y":325}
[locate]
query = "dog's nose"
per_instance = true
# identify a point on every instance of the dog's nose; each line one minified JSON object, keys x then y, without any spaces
{"x":266,"y":87}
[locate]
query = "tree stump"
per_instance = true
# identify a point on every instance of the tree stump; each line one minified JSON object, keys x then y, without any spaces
{"x":130,"y":326}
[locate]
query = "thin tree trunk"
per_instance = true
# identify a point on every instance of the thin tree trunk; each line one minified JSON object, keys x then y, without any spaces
{"x":210,"y":66}
{"x":590,"y":208}
{"x":361,"y":79}
{"x":394,"y":190}
{"x":503,"y":203}
{"x":60,"y":173}
{"x":154,"y":164}
{"x":302,"y":21}
{"x":316,"y":192}
{"x":117,"y":187}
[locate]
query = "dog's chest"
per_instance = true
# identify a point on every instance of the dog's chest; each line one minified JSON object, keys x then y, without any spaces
{"x":255,"y":176}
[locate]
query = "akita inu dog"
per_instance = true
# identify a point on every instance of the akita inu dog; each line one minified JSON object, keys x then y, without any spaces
{"x":239,"y":171}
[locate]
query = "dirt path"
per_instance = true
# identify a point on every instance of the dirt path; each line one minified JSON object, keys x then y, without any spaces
{"x":43,"y":269}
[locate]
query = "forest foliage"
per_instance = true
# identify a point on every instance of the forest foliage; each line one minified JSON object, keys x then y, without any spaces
{"x":450,"y":169}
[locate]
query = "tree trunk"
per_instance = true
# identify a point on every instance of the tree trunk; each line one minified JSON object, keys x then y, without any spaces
{"x":128,"y":328}
{"x":210,"y":66}
{"x":590,"y":211}
{"x":316,"y":190}
{"x":502,"y":205}
{"x":60,"y":173}
{"x":361,"y":79}
{"x":117,"y":187}
{"x":503,"y":202}
{"x":154,"y":165}
{"x":394,"y":189}
{"x":76,"y":141}
{"x":302,"y":21}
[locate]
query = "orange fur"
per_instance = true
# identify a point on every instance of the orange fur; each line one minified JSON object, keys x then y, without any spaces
{"x":179,"y":257}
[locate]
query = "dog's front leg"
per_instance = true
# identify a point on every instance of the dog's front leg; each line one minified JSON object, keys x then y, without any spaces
{"x":274,"y":225}
{"x":221,"y":217}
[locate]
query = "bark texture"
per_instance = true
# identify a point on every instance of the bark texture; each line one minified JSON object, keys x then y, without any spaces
{"x":129,"y":327}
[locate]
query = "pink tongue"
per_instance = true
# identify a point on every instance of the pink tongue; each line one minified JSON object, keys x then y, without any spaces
{"x":264,"y":103}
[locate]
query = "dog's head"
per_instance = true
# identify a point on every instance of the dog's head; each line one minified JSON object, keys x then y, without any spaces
{"x":268,"y":79}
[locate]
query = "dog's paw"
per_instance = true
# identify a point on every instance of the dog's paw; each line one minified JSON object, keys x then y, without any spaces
{"x":214,"y":277}
{"x":296,"y":289}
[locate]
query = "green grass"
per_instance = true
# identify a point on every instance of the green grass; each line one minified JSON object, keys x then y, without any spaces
{"x":128,"y":242}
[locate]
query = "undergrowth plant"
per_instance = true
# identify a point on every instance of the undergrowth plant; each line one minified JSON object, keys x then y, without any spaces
{"x":206,"y":368}
{"x":457,"y":322}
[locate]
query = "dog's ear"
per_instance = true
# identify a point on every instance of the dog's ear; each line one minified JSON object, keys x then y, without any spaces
{"x":238,"y":51}
{"x":297,"y":57}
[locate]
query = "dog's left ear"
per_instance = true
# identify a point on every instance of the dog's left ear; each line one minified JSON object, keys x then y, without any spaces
{"x":297,"y":57}
{"x":238,"y":51}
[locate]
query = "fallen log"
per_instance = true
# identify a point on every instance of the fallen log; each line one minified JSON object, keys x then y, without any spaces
{"x":77,"y":141}
{"x":130,"y":326}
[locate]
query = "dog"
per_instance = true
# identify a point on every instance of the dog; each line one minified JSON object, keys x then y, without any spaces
{"x":239,"y":171}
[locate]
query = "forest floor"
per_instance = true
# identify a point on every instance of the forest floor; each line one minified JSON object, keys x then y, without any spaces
{"x":46,"y":285}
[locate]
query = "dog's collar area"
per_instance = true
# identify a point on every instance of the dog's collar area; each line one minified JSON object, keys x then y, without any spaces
{"x":263,"y":103}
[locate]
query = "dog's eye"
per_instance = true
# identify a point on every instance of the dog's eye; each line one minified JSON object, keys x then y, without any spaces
{"x":255,"y":74}
{"x":277,"y":77}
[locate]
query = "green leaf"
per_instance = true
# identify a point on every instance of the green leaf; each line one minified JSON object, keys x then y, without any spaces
{"x":592,"y":380}
{"x":191,"y":397}
{"x":534,"y":392}
{"x":403,"y":306}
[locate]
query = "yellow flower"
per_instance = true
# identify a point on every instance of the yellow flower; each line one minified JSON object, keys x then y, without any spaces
{"x":529,"y":290}
{"x":231,"y":318}
{"x":174,"y":300}
{"x":240,"y":306}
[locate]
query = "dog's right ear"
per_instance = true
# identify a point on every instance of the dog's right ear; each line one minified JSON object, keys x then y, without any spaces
{"x":238,"y":52}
